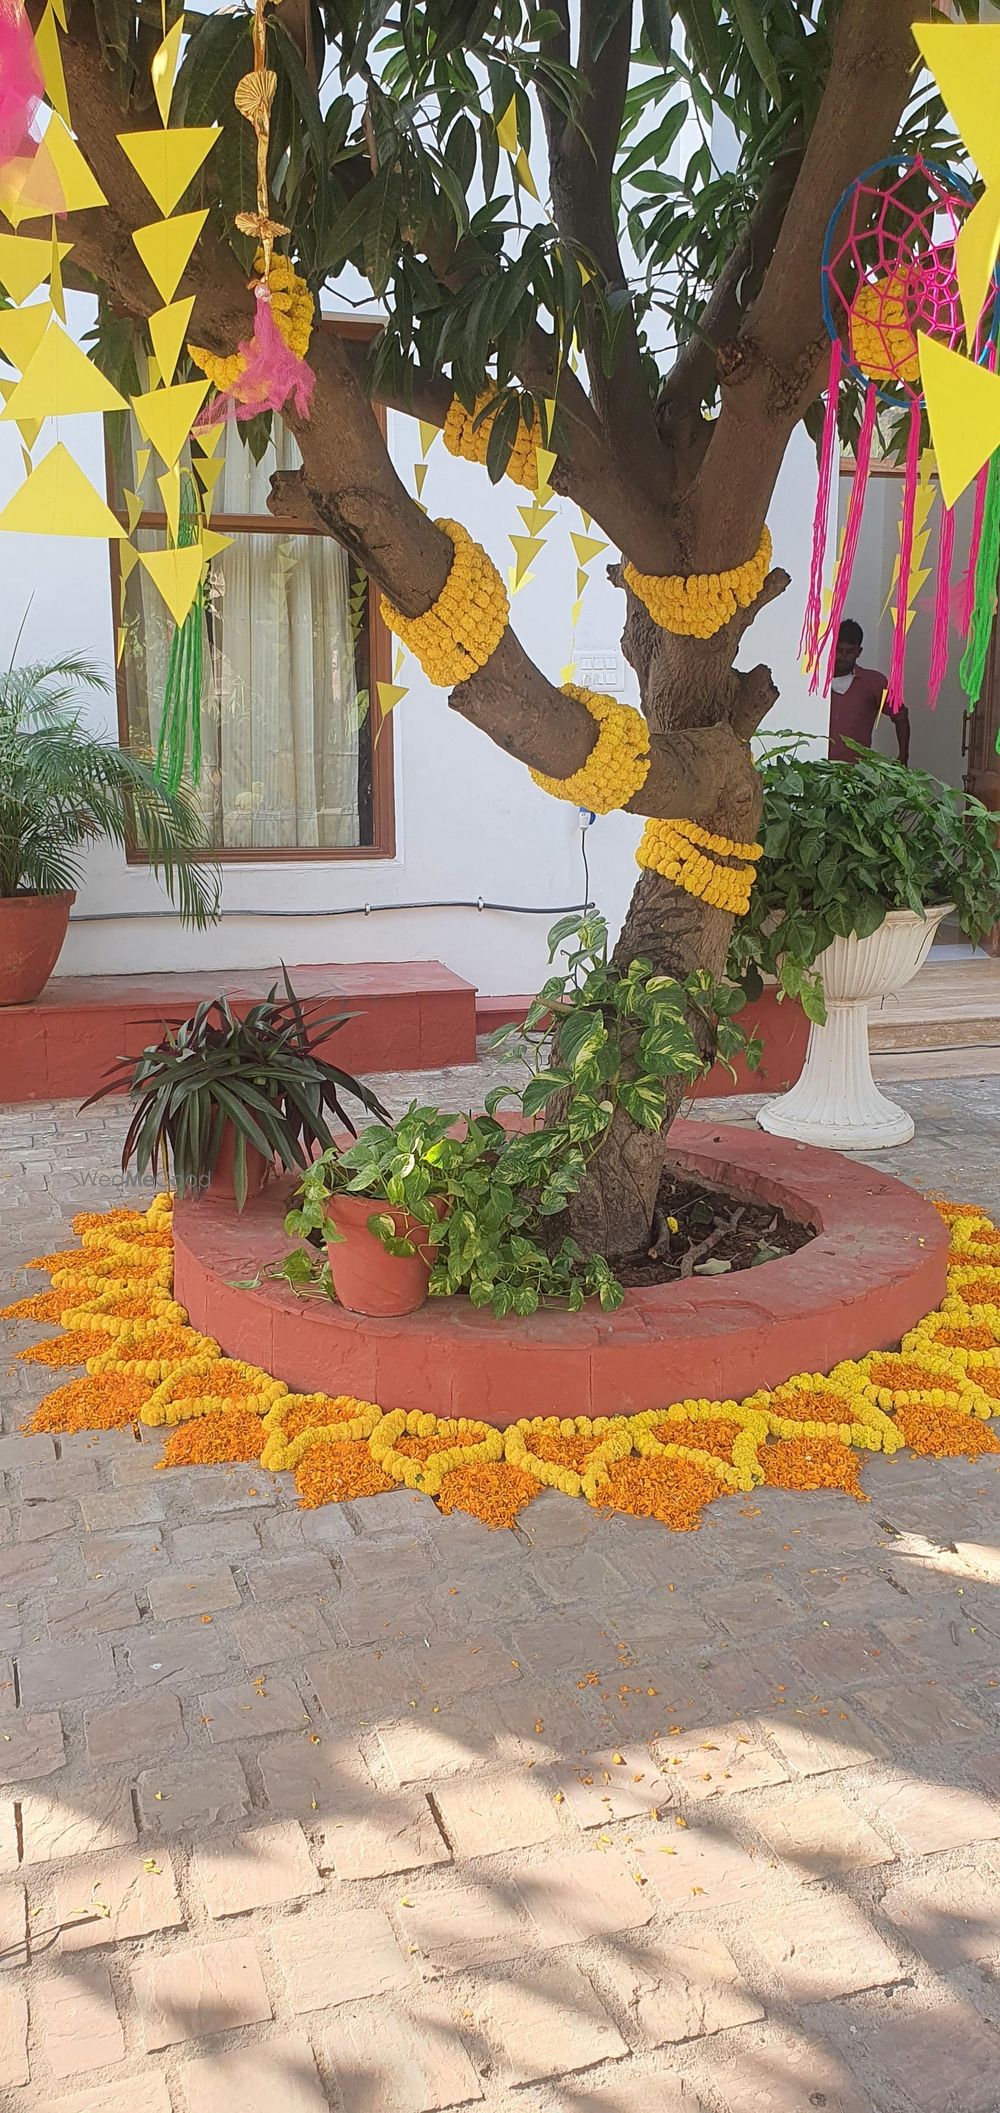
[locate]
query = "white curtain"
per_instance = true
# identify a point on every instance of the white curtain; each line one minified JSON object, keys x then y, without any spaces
{"x":280,"y":705}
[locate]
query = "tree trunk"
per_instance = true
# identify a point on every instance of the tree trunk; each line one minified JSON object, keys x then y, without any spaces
{"x":612,"y":1213}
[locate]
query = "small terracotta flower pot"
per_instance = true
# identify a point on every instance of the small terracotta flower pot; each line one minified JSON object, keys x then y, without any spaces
{"x":367,"y":1279}
{"x":32,"y":930}
{"x":221,"y":1181}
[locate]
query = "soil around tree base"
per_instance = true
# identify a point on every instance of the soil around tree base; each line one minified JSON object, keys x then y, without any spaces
{"x":699,"y":1231}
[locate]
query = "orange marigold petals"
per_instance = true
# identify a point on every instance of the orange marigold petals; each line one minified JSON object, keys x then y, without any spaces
{"x":673,"y":1491}
{"x":943,"y":1435}
{"x":39,"y":1306}
{"x":117,"y":1220}
{"x":492,"y":1491}
{"x":715,"y":1435}
{"x":108,"y":1402}
{"x":972,"y":1337}
{"x":333,"y":1474}
{"x":58,"y":1350}
{"x":812,"y":1463}
{"x":231,"y":1434}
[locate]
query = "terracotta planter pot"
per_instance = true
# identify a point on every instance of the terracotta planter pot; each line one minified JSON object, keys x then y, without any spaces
{"x":259,"y":1169}
{"x":32,"y":930}
{"x":366,"y":1278}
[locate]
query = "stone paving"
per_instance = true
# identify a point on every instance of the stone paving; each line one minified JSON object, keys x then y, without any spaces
{"x":371,"y":1810}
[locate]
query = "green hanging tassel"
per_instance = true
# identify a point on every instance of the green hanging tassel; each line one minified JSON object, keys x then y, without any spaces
{"x":181,"y":715}
{"x":973,"y":668}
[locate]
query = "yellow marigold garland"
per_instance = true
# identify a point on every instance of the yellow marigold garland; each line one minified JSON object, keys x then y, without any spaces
{"x":460,"y":631}
{"x":293,"y":309}
{"x":618,"y":764}
{"x":467,"y":434}
{"x":679,"y":852}
{"x":701,"y":604}
{"x":936,"y":1395}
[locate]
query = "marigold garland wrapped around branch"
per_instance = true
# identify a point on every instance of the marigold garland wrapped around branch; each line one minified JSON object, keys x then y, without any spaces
{"x":677,"y":851}
{"x":618,"y":764}
{"x":467,"y":434}
{"x":460,"y":631}
{"x":701,"y":604}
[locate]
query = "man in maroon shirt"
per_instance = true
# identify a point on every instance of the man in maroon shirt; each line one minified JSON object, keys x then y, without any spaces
{"x":856,"y":700}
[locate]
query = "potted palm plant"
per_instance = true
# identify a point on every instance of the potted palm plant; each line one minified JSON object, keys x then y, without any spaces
{"x":222,"y":1099}
{"x":861,"y":862}
{"x":61,"y":789}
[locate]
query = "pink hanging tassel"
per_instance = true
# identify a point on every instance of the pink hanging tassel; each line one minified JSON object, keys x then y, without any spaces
{"x":21,"y":85}
{"x":897,"y":664}
{"x":271,"y":374}
{"x":942,"y":608}
{"x":809,"y":640}
{"x":852,"y":536}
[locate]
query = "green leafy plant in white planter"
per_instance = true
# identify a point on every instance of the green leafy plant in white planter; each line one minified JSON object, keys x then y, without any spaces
{"x":861,"y":862}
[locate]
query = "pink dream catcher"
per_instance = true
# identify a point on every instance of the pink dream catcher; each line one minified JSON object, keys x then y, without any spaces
{"x":888,"y":272}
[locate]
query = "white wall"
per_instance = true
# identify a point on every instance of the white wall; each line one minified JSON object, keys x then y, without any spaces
{"x":469,"y":821}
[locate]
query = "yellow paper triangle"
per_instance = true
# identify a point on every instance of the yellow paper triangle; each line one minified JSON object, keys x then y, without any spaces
{"x":167,"y":415}
{"x":419,"y":474}
{"x":526,"y":548}
{"x":566,"y":673}
{"x":545,"y":462}
{"x":976,"y":255}
{"x":22,"y":331}
{"x":142,"y":456}
{"x":56,"y":180}
{"x":965,"y":63}
{"x":29,"y":429}
{"x":428,"y":434}
{"x":164,"y":68}
{"x":209,"y":438}
{"x":170,"y":489}
{"x":587,"y":547}
{"x":168,"y":329}
{"x":550,"y":412}
{"x":165,"y":247}
{"x":208,"y":470}
{"x":575,"y":610}
{"x":581,"y":581}
{"x":56,"y":295}
{"x":128,"y":559}
{"x":397,"y":661}
{"x":213,"y":543}
{"x":58,"y":500}
{"x":60,"y":380}
{"x":517,"y":582}
{"x":389,"y":695}
{"x":507,"y":128}
{"x":133,"y":508}
{"x":176,"y":575}
{"x":50,"y":61}
{"x":166,"y":162}
{"x":59,"y":10}
{"x":536,"y":517}
{"x":523,"y":175}
{"x":585,"y":518}
{"x":963,"y":410}
{"x":25,"y":260}
{"x":122,"y":634}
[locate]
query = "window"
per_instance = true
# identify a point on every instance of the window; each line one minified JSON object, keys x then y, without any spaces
{"x":292,"y":647}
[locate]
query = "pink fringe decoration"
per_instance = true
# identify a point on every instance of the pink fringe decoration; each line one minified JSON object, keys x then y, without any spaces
{"x":852,"y":535}
{"x":271,"y":374}
{"x":942,"y":608}
{"x":21,"y":86}
{"x":897,"y":664}
{"x":969,"y":578}
{"x":809,"y":640}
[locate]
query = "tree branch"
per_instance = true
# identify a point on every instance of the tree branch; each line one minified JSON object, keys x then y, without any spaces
{"x":773,"y":370}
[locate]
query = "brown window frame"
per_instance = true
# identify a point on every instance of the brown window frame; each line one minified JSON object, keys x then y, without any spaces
{"x":383,"y":846}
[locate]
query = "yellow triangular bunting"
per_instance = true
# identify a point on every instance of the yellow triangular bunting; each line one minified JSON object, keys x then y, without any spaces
{"x":170,"y":488}
{"x":208,"y":469}
{"x":50,"y":60}
{"x":164,"y":68}
{"x":56,"y":295}
{"x":168,"y":330}
{"x":963,"y":409}
{"x":58,"y":500}
{"x":167,"y":415}
{"x":976,"y":255}
{"x":581,"y":581}
{"x":212,"y":543}
{"x":526,"y":548}
{"x":165,"y":247}
{"x":587,"y":547}
{"x":523,"y":175}
{"x":60,"y":380}
{"x":25,"y":261}
{"x":545,"y":462}
{"x":175,"y":574}
{"x":389,"y":695}
{"x":966,"y":66}
{"x":128,"y":559}
{"x":142,"y":456}
{"x":56,"y":180}
{"x":166,"y":162}
{"x":419,"y":474}
{"x":22,"y":331}
{"x":507,"y":128}
{"x":428,"y":433}
{"x":133,"y":508}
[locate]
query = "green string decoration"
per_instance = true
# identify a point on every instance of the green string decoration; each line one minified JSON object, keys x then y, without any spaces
{"x":181,"y":717}
{"x":973,"y":668}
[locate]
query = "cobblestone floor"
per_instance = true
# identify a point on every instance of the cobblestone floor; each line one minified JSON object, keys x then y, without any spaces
{"x":371,"y":1810}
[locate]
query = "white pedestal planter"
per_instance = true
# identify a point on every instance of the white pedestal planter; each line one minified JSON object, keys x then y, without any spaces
{"x":836,"y":1101}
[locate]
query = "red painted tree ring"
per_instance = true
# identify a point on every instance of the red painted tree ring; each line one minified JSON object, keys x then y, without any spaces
{"x":876,"y":1266}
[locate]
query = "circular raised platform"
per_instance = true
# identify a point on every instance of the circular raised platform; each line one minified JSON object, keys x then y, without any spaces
{"x":875,"y":1268}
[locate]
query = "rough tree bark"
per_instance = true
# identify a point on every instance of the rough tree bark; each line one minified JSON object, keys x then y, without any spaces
{"x":676,"y":493}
